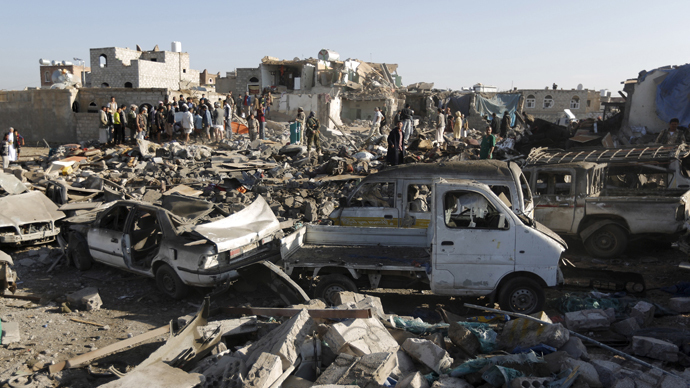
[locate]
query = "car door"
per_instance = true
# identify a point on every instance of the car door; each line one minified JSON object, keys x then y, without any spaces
{"x":474,"y":240}
{"x":554,"y":194}
{"x":374,"y":204}
{"x":106,"y":236}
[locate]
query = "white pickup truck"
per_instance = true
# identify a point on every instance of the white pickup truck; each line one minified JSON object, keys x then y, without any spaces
{"x":474,"y":245}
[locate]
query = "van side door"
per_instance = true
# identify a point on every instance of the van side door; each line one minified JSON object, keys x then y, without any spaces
{"x":474,"y":240}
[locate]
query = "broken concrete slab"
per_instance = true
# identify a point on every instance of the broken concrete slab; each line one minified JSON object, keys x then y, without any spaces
{"x":608,"y":371}
{"x":353,"y":300}
{"x":626,"y":327}
{"x":575,"y":348}
{"x":463,"y":338}
{"x":525,"y":333}
{"x":222,"y":370}
{"x":10,"y":333}
{"x":359,"y":337}
{"x":655,"y":348}
{"x":265,"y":371}
{"x":338,"y":368}
{"x":86,"y":298}
{"x":588,"y":373}
{"x":428,"y":353}
{"x":284,"y":341}
{"x":681,"y":305}
{"x":586,"y":319}
{"x":158,"y":374}
{"x":413,"y":380}
{"x":371,"y":370}
{"x":643,"y":312}
{"x":404,"y":365}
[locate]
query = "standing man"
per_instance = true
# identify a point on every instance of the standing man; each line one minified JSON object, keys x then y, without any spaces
{"x":5,"y":147}
{"x":396,"y":149}
{"x":142,"y":123}
{"x":457,"y":125}
{"x":123,"y":120}
{"x":132,"y":122}
{"x":12,"y":153}
{"x":252,"y":125}
{"x":186,"y":122}
{"x":218,"y":121}
{"x":495,"y":123}
{"x":505,"y":124}
{"x":169,"y":120}
{"x":228,"y":112}
{"x":312,"y":133}
{"x":206,"y":122}
{"x":376,"y":123}
{"x":262,"y":122}
{"x":247,"y":103}
{"x":486,"y":149}
{"x":269,"y":102}
{"x":440,"y":126}
{"x":300,"y":119}
{"x":671,"y":135}
{"x":119,"y":135}
{"x":406,"y":118}
{"x":160,"y":122}
{"x":18,"y":143}
{"x":104,"y":126}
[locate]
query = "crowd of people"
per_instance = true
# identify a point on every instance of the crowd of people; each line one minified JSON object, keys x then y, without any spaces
{"x":184,"y":118}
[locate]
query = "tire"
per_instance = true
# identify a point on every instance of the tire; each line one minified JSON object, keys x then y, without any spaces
{"x":169,"y":283}
{"x":329,"y":285}
{"x":607,"y":242}
{"x":521,"y":295}
{"x":78,"y":251}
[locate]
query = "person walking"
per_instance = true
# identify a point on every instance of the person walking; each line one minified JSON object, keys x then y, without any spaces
{"x":440,"y":126}
{"x":206,"y":122}
{"x":261,"y":118}
{"x":252,"y":126}
{"x":457,"y":125}
{"x":376,"y":123}
{"x":450,"y":120}
{"x":396,"y":148}
{"x":104,"y":125}
{"x":312,"y":132}
{"x":505,"y":125}
{"x":486,"y":149}
{"x":300,"y":119}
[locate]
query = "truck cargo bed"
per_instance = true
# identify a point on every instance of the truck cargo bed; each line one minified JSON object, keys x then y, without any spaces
{"x":361,"y":257}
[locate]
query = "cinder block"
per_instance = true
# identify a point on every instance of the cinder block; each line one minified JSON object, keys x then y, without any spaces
{"x":525,"y":333}
{"x":626,"y":327}
{"x":86,"y":298}
{"x":371,"y":370}
{"x":265,"y":371}
{"x":339,"y":368}
{"x":586,"y":319}
{"x":284,"y":341}
{"x":10,"y":333}
{"x":655,"y":348}
{"x":359,"y":337}
{"x":428,"y":353}
{"x":587,"y":372}
{"x":607,"y":371}
{"x":530,"y":382}
{"x":643,"y":312}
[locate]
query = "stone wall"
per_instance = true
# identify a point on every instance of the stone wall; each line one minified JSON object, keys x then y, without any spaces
{"x":39,"y":114}
{"x":242,"y":80}
{"x":86,"y":126}
{"x":590,"y":103}
{"x":101,"y":97}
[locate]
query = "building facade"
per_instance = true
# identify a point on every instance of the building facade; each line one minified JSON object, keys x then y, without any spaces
{"x":548,"y":104}
{"x":79,"y":74}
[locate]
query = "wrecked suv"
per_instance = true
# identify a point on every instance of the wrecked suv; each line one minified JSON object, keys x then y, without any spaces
{"x":186,"y":242}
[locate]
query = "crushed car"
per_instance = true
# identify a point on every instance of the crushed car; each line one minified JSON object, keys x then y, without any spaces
{"x":184,"y":243}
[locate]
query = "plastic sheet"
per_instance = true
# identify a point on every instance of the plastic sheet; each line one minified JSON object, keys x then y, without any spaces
{"x":485,"y":335}
{"x":499,"y":375}
{"x":573,"y":302}
{"x":673,"y":96}
{"x":478,"y":364}
{"x":417,"y":326}
{"x":498,"y":104}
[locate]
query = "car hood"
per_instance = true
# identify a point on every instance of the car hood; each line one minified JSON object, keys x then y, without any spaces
{"x":253,"y":223}
{"x":28,"y":208}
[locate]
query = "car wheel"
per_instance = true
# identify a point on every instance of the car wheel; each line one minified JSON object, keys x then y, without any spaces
{"x":521,"y":295}
{"x":169,"y":283}
{"x":330,"y":285}
{"x":607,"y":242}
{"x":78,"y":251}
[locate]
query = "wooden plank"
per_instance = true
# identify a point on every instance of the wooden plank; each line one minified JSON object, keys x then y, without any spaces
{"x":86,"y":322}
{"x":287,"y":312}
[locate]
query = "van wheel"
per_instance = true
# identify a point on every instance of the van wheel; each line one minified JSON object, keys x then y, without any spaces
{"x":330,"y":285}
{"x":169,"y":283}
{"x":607,"y":241}
{"x":521,"y":295}
{"x":78,"y":251}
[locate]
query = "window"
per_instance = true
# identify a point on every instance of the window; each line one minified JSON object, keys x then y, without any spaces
{"x":105,"y":85}
{"x":47,"y":75}
{"x":253,"y":79}
{"x":575,"y":103}
{"x":115,"y":218}
{"x":128,"y":85}
{"x":554,"y":183}
{"x":103,"y":60}
{"x":503,"y":193}
{"x":146,"y":236}
{"x":184,"y":70}
{"x":468,"y":209}
{"x":419,"y":198}
{"x":375,"y":194}
{"x":589,"y":103}
{"x":210,"y":80}
{"x":548,"y":102}
{"x":526,"y":192}
{"x":531,"y":102}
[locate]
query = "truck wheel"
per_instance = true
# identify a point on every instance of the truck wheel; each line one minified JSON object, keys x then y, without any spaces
{"x":169,"y":283}
{"x":78,"y":251}
{"x":607,"y":241}
{"x":330,"y":285}
{"x":521,"y":295}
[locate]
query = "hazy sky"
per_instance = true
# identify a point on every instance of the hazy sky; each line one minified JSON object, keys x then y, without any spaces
{"x":526,"y":44}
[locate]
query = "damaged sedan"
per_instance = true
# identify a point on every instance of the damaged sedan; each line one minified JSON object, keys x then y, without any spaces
{"x":185,"y":242}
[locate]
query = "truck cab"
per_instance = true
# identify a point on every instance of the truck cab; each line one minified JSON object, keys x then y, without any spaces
{"x":402,"y":196}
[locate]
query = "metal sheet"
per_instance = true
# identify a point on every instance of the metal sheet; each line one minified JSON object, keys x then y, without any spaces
{"x":11,"y":184}
{"x":249,"y":225}
{"x":27,"y":208}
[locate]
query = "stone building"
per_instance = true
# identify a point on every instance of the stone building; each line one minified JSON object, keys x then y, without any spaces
{"x":79,"y":73}
{"x":118,"y":67}
{"x":548,"y":104}
{"x":208,"y":80}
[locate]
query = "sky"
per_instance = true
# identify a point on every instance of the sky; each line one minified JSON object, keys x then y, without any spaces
{"x":454,"y":44}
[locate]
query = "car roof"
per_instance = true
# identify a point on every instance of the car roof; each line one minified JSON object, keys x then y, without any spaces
{"x":469,"y":169}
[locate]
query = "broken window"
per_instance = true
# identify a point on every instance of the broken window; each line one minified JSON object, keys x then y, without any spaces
{"x":575,"y":103}
{"x":145,"y":236}
{"x":531,"y":102}
{"x":554,"y":183}
{"x":548,"y":102}
{"x":103,"y":60}
{"x":503,"y":193}
{"x":468,"y":209}
{"x":115,"y":218}
{"x":638,"y":177}
{"x":419,"y":198}
{"x":375,"y":194}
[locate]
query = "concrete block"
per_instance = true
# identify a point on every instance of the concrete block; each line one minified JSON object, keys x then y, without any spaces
{"x":530,"y":382}
{"x":10,"y":333}
{"x":525,"y":333}
{"x":575,"y":348}
{"x":655,"y":348}
{"x":265,"y":371}
{"x":371,"y":370}
{"x":463,"y":338}
{"x":86,"y":298}
{"x":352,"y":300}
{"x":607,"y":371}
{"x":446,"y":381}
{"x":222,"y":370}
{"x":413,"y":380}
{"x":428,"y":353}
{"x":643,"y":312}
{"x":360,"y":336}
{"x":588,"y":373}
{"x":339,"y":368}
{"x":404,"y":365}
{"x":681,"y":305}
{"x":284,"y":341}
{"x":586,"y":319}
{"x":626,"y":327}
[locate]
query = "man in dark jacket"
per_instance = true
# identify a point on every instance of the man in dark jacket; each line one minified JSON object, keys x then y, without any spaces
{"x":495,"y":123}
{"x":505,"y":125}
{"x":396,"y":149}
